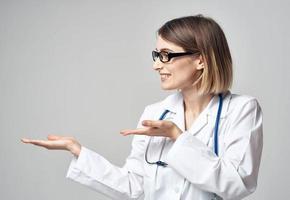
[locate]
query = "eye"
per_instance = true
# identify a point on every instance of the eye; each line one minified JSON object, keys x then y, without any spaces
{"x":164,"y":55}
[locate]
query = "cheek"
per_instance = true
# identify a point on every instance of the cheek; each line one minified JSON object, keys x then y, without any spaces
{"x":183,"y":73}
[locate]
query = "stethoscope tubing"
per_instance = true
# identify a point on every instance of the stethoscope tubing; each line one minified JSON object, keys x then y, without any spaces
{"x":162,"y":117}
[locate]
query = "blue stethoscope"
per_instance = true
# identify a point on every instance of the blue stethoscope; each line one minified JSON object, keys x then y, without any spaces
{"x":216,"y":127}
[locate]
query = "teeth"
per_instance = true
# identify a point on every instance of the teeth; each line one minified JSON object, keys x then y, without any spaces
{"x":163,"y":76}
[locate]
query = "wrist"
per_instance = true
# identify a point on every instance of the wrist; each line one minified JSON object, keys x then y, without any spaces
{"x":176,"y":135}
{"x":74,"y":147}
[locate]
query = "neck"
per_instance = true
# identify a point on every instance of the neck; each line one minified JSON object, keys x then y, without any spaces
{"x":194,"y":104}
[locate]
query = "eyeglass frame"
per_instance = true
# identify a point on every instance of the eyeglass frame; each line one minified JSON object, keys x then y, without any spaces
{"x":170,"y":55}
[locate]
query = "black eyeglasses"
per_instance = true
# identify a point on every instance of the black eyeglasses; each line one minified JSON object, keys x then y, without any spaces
{"x":166,"y":56}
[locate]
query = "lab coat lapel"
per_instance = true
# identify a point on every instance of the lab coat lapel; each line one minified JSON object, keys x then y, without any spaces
{"x":174,"y":103}
{"x":179,"y":119}
{"x":210,"y":110}
{"x":198,"y":124}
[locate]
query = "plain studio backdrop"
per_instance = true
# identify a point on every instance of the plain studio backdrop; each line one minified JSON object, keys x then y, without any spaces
{"x":84,"y":68}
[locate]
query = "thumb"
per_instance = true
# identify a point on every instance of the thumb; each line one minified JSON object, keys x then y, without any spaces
{"x":53,"y":137}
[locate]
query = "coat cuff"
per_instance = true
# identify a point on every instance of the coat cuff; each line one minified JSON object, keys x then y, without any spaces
{"x":184,"y":141}
{"x":77,"y":164}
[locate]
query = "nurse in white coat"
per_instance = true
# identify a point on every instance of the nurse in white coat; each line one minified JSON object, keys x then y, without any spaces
{"x":208,"y":143}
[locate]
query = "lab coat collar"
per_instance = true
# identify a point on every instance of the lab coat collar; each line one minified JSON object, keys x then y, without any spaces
{"x":174,"y":103}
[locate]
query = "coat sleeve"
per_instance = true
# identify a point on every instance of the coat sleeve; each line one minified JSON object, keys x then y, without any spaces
{"x":234,"y":174}
{"x":94,"y":171}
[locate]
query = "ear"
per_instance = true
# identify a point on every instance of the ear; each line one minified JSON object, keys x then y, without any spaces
{"x":200,"y":62}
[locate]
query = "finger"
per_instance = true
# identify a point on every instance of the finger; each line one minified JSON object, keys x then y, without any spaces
{"x":143,"y":131}
{"x":53,"y":137}
{"x":129,"y":132}
{"x":151,"y":123}
{"x":31,"y":141}
{"x":140,"y":131}
{"x":25,"y":140}
{"x":36,"y":142}
{"x":57,"y":137}
{"x":156,"y":123}
{"x":49,"y":144}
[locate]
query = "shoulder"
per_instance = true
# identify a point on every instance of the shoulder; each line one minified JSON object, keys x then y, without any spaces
{"x":241,"y":104}
{"x":239,"y":100}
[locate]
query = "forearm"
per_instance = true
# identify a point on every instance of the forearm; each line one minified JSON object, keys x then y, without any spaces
{"x":199,"y":165}
{"x":96,"y":172}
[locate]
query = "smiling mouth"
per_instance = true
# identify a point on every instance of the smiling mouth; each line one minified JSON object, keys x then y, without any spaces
{"x":164,"y":76}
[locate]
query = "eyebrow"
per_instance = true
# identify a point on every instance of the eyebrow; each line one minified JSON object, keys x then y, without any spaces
{"x":164,"y":49}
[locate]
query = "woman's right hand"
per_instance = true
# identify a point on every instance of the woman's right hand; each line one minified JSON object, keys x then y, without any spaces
{"x":57,"y":143}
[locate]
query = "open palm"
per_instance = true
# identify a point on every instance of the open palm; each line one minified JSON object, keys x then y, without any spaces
{"x":57,"y":143}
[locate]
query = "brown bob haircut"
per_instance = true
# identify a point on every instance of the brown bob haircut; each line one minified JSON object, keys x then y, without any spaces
{"x":203,"y":34}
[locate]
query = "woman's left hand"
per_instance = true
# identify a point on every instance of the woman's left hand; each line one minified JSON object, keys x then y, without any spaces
{"x":155,"y":128}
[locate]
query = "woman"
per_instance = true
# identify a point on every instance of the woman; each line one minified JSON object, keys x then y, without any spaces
{"x":201,"y":142}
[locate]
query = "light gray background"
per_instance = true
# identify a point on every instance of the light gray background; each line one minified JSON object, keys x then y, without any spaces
{"x":83,"y":68}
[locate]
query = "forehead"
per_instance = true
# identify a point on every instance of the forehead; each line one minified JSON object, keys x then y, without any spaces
{"x":162,"y":44}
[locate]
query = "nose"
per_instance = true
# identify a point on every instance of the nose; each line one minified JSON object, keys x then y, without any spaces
{"x":157,"y":65}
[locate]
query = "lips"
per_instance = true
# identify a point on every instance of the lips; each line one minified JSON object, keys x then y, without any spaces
{"x":164,"y":76}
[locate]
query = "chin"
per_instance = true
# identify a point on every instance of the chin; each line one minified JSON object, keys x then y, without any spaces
{"x":163,"y":87}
